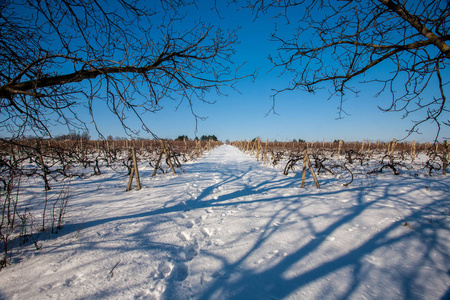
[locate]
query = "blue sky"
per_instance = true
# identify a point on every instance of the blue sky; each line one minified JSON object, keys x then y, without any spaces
{"x":245,"y":115}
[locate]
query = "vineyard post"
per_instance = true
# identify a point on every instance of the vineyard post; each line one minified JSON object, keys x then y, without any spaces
{"x":253,"y":147}
{"x":340,"y":147}
{"x":168,"y":156}
{"x":134,"y":171}
{"x":305,"y":154}
{"x":265,"y":151}
{"x":393,"y":147}
{"x":201,"y":148}
{"x":413,"y":150}
{"x":196,"y":149}
{"x":362,"y":146}
{"x":175,"y":158}
{"x":158,"y":162}
{"x":445,"y":158}
{"x":258,"y":147}
{"x":311,"y":169}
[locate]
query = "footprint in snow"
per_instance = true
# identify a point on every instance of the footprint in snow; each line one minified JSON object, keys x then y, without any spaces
{"x":215,"y":242}
{"x":206,"y":232}
{"x":165,"y":269}
{"x":180,"y":272}
{"x":191,"y":251}
{"x":200,"y":219}
{"x":190,"y":224}
{"x":184,"y":236}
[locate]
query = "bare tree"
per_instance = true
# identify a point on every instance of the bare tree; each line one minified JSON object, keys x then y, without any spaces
{"x":400,"y":45}
{"x":58,"y":56}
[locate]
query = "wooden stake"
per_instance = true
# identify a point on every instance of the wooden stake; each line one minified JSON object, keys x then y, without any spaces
{"x":130,"y":180}
{"x":304,"y":168}
{"x":265,"y":151}
{"x":134,"y":171}
{"x":258,"y":147}
{"x":311,"y":169}
{"x":393,"y":147}
{"x":168,"y":157}
{"x":445,"y":158}
{"x":157,"y":163}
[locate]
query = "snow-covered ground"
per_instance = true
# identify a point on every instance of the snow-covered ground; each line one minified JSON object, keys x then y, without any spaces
{"x":232,"y":228}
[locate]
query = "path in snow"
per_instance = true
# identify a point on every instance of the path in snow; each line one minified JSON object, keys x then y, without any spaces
{"x":231,"y":228}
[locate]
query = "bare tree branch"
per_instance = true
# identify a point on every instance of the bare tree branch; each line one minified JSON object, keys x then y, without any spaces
{"x":400,"y":45}
{"x":57,"y":56}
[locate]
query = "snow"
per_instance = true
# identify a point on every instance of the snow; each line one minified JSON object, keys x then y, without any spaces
{"x":233,"y":228}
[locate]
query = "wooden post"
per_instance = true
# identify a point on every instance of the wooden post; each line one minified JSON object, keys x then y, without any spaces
{"x":134,"y":171}
{"x":305,"y":154}
{"x":130,"y":180}
{"x":258,"y":147}
{"x":157,"y":163}
{"x":168,"y":157}
{"x":175,"y":158}
{"x":393,"y":147}
{"x":311,"y":169}
{"x":445,"y":158}
{"x":265,"y":151}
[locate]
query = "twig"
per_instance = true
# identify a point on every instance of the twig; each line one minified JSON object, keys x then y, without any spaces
{"x":112,"y":270}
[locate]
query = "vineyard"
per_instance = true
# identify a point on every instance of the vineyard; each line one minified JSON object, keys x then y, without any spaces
{"x":57,"y":162}
{"x":202,"y":204}
{"x":361,"y":157}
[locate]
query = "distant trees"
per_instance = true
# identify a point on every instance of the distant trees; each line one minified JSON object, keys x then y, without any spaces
{"x":208,"y":137}
{"x":74,"y":136}
{"x":399,"y":46}
{"x":182,"y":138}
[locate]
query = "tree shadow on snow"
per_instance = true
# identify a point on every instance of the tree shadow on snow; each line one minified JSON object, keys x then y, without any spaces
{"x":274,"y":283}
{"x":285,"y":277}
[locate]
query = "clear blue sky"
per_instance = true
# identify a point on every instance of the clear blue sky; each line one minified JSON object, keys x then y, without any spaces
{"x":300,"y":115}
